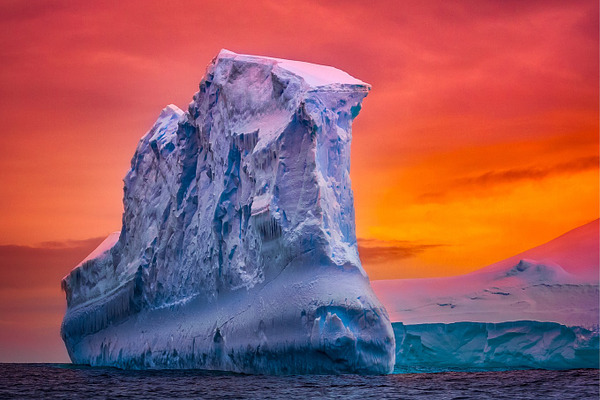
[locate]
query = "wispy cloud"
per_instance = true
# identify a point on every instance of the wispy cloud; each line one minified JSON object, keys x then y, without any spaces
{"x":68,"y":244}
{"x":373,"y":251}
{"x":31,"y":302}
{"x":533,"y":173}
{"x":24,"y":267}
{"x":507,"y":176}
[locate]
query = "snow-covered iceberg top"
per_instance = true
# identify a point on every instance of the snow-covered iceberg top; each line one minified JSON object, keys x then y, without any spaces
{"x":315,"y":75}
{"x":238,"y":246}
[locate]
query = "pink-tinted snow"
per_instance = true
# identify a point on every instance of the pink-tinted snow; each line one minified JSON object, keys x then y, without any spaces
{"x":313,"y":74}
{"x":103,"y":247}
{"x":577,"y":252}
{"x":557,"y":281}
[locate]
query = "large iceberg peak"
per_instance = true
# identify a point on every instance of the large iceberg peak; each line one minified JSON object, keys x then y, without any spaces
{"x":315,"y":75}
{"x":238,"y":246}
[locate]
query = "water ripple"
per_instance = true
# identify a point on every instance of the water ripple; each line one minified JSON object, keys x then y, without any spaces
{"x":63,"y":381}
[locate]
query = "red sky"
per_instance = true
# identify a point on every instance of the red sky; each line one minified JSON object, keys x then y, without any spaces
{"x":478,"y":140}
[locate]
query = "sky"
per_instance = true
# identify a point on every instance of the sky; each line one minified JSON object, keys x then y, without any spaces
{"x":479,"y":138}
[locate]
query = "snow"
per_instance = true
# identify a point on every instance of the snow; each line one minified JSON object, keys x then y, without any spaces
{"x":313,"y":74}
{"x":554,"y":282}
{"x":577,"y":252}
{"x":238,"y":246}
{"x":538,"y":309}
{"x":102,"y":248}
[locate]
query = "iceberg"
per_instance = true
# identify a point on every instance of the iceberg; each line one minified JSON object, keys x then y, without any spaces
{"x":538,"y":309}
{"x":504,"y":345}
{"x":238,"y":248}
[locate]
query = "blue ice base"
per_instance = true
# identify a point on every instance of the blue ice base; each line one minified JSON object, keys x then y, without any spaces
{"x":476,"y":346}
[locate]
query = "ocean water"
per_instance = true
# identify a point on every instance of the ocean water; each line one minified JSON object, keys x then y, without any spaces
{"x":64,"y":381}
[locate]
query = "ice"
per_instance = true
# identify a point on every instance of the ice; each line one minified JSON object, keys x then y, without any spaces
{"x":480,"y":345}
{"x":238,"y":246}
{"x":554,"y":282}
{"x":313,"y":74}
{"x":102,"y":248}
{"x":539,"y":309}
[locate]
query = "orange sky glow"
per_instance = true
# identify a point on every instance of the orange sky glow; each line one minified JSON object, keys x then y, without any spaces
{"x":479,"y":138}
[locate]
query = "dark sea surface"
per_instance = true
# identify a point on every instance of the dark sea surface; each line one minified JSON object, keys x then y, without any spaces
{"x":64,"y":381}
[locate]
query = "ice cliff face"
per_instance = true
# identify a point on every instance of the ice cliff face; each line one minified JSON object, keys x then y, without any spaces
{"x":480,"y":345}
{"x":238,"y":249}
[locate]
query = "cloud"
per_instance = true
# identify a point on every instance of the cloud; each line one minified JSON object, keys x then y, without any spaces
{"x":508,"y":176}
{"x":31,"y":302}
{"x":42,"y":266}
{"x":534,"y":173}
{"x":67,"y":244}
{"x":373,"y":251}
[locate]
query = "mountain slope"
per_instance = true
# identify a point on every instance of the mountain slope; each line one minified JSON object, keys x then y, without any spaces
{"x":554,"y":282}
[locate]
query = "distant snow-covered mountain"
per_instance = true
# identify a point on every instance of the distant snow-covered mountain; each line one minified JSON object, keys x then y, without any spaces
{"x":554,"y":282}
{"x":538,"y":309}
